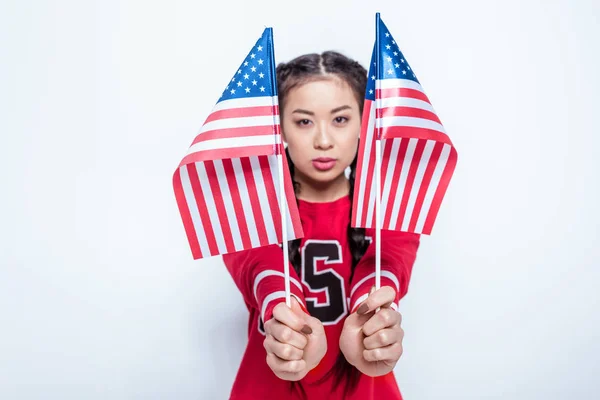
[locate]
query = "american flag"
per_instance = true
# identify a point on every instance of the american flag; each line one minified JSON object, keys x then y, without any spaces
{"x":418,"y":158}
{"x":227,"y":185}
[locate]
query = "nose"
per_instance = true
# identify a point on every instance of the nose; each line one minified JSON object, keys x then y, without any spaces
{"x":323,"y":139}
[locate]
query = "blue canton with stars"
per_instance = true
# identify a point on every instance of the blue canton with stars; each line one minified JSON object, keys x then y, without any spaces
{"x":392,"y":64}
{"x":255,"y":76}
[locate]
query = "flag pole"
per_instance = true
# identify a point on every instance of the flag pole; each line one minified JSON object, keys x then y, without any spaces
{"x":284,"y":241}
{"x":282,"y":198}
{"x":377,"y":163}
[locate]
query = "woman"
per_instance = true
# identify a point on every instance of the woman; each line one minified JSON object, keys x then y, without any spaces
{"x":331,"y":344}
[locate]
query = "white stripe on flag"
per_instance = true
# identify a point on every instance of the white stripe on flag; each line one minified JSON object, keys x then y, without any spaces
{"x":228,"y":203}
{"x":412,"y":143}
{"x":389,"y":174}
{"x":390,"y":102}
{"x":398,"y":83}
{"x":245,"y":102}
{"x":240,"y":122}
{"x":228,"y":143}
{"x":414,"y":190}
{"x":273,"y":161}
{"x":246,"y":204}
{"x":211,"y":208}
{"x":410,"y":121}
{"x":365,"y":164}
{"x":262,"y":198}
{"x":192,"y":206}
{"x":433,"y":185}
{"x":372,"y":195}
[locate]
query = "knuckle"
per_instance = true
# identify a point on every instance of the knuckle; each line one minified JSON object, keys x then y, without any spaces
{"x":383,"y":337}
{"x":286,"y":334}
{"x":303,"y":341}
{"x":289,"y":366}
{"x":385,"y":316}
{"x":267,"y":326}
{"x":270,"y":362}
{"x":377,"y":354}
{"x":286,"y":352}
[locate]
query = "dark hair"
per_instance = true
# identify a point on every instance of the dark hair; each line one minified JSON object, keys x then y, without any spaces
{"x":303,"y":69}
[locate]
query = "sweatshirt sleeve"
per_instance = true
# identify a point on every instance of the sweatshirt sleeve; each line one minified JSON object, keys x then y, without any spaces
{"x":258,"y":274}
{"x":398,"y":255}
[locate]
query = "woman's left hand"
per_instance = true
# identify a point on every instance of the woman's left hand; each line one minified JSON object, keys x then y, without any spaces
{"x":372,"y":341}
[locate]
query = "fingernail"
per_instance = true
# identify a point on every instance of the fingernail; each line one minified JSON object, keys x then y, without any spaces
{"x":362,"y":309}
{"x":306,"y":329}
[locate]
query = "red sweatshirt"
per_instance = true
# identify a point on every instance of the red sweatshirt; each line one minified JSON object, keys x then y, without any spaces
{"x":325,"y":290}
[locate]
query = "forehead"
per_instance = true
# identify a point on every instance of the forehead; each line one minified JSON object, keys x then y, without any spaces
{"x":321,"y":95}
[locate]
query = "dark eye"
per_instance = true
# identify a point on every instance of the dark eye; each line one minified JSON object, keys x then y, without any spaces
{"x":340,"y":120}
{"x":303,"y":122}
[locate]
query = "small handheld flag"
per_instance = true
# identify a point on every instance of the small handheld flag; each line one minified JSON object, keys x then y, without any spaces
{"x":417,"y":159}
{"x":233,"y":187}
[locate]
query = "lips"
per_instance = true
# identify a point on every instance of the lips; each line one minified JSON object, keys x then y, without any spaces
{"x":324,"y":163}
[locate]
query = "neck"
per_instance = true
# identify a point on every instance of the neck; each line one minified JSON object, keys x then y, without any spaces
{"x":322,"y":192}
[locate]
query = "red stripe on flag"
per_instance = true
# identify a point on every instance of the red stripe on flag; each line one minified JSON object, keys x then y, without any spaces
{"x":361,"y":152}
{"x":242,"y":112}
{"x":254,"y":201}
{"x":407,"y":112}
{"x":292,"y":207}
{"x":228,"y":133}
{"x":369,"y":183}
{"x":234,"y":189}
{"x":415,"y":133}
{"x":233,"y":152}
{"x":385,"y":170}
{"x":440,"y":192}
{"x":433,"y":160}
{"x":410,"y":179}
{"x":271,"y":194}
{"x":401,"y":92}
{"x":387,"y":220}
{"x":188,"y":224}
{"x":201,"y":204}
{"x":220,"y":206}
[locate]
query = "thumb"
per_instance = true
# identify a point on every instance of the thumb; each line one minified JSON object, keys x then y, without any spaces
{"x":296,"y":307}
{"x":299,"y":311}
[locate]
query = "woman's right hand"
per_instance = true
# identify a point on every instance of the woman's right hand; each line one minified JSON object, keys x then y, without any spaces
{"x":295,"y":342}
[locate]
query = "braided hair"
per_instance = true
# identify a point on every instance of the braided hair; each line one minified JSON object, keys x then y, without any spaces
{"x":303,"y":69}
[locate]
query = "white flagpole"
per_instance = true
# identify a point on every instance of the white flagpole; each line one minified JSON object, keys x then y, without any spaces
{"x":377,"y":214}
{"x":377,"y":165}
{"x":282,"y":197}
{"x":284,"y":239}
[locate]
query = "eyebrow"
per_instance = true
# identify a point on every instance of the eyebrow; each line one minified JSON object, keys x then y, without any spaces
{"x":337,"y":109}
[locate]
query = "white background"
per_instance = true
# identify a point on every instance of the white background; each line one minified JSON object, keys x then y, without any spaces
{"x":99,"y":296}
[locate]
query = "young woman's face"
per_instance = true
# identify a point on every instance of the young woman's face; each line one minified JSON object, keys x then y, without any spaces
{"x":321,"y":125}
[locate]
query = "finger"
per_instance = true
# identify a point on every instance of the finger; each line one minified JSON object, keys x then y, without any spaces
{"x":383,"y":338}
{"x":385,"y":318}
{"x":379,"y":298}
{"x":296,"y":307}
{"x":279,"y":365}
{"x":286,"y":316}
{"x":389,"y":353}
{"x":282,"y":350}
{"x":285,"y":334}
